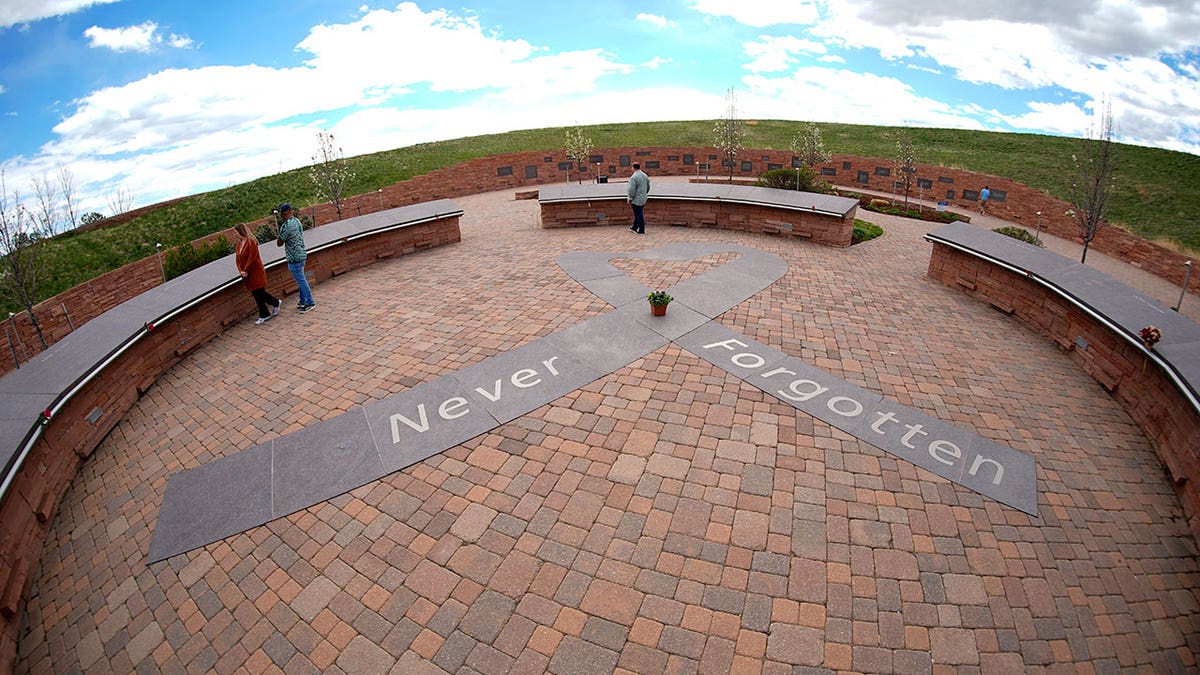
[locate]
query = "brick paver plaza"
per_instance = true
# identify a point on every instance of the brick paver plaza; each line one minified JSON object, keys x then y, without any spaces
{"x":666,"y":518}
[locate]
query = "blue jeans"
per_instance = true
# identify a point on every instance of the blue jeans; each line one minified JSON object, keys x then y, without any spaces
{"x":297,"y":270}
{"x":639,"y":221}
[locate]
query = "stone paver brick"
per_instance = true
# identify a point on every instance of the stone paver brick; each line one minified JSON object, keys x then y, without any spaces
{"x":665,"y":518}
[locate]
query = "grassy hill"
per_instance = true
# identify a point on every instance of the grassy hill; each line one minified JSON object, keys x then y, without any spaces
{"x":1157,"y":196}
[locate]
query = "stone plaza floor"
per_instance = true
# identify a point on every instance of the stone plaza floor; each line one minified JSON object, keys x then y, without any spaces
{"x":665,"y":518}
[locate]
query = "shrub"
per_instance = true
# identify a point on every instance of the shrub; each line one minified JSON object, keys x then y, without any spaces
{"x":785,"y":179}
{"x":264,"y":233}
{"x":864,"y":231}
{"x":184,"y":258}
{"x":1018,"y":233}
{"x":928,"y":214}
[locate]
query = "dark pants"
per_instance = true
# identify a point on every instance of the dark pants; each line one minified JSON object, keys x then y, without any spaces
{"x":639,"y":221}
{"x":265,"y":301}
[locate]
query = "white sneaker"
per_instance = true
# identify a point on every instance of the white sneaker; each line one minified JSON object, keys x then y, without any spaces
{"x":275,"y":309}
{"x":261,"y":320}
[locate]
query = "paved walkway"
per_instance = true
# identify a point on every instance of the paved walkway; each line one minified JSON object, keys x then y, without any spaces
{"x":665,"y":518}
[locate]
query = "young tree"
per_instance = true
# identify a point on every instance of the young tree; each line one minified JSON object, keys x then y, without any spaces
{"x":729,"y":134}
{"x":809,"y":147}
{"x":66,"y":183}
{"x":905,"y":163}
{"x":21,"y":244}
{"x":579,"y":149}
{"x":1095,"y":179}
{"x":119,"y":199}
{"x":330,"y":173}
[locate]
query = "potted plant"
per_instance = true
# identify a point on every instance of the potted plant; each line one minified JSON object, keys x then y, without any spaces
{"x":658,"y":302}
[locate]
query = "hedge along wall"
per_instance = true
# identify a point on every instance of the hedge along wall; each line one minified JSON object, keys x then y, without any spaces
{"x":1010,"y":200}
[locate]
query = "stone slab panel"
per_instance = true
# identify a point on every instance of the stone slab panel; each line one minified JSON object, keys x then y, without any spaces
{"x":322,"y":461}
{"x":524,"y":379}
{"x":423,"y":421}
{"x":212,"y":501}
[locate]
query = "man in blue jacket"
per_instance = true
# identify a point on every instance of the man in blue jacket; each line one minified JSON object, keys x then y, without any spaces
{"x":639,"y":190}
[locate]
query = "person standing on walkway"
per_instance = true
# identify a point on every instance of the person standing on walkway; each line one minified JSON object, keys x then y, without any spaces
{"x":984,"y":194}
{"x":639,"y":190}
{"x":254,"y":275}
{"x":291,"y":237}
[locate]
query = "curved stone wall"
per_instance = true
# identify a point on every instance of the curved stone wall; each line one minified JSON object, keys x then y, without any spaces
{"x":87,"y":383}
{"x":1096,"y":322}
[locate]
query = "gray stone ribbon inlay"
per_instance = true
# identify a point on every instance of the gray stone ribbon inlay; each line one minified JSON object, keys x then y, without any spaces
{"x":292,"y":472}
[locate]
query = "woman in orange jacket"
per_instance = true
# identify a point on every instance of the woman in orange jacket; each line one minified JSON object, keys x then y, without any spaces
{"x":250,"y":266}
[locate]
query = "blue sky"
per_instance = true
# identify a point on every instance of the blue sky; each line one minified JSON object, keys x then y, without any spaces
{"x":162,"y":99}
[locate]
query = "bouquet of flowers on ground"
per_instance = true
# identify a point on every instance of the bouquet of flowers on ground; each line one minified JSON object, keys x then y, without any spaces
{"x":1150,"y":335}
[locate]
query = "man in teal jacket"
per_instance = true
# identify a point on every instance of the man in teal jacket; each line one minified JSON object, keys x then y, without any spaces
{"x":291,"y":237}
{"x":639,"y":190}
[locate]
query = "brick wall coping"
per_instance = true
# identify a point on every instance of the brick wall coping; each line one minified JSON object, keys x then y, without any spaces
{"x":34,"y":393}
{"x":828,"y":205}
{"x":1118,"y":307}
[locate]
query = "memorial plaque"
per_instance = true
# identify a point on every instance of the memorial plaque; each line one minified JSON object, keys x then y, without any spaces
{"x":689,"y":160}
{"x":747,"y":166}
{"x":652,"y":164}
{"x":624,"y":160}
{"x":970,"y":195}
{"x":773,"y":167}
{"x":531,"y":171}
{"x":950,"y":195}
{"x":565,"y":166}
{"x":504,"y":171}
{"x":672,"y":158}
{"x":924,"y":184}
{"x":864,"y":177}
{"x":944,"y":179}
{"x":643,"y":153}
{"x":998,"y":196}
{"x":828,"y":171}
{"x":846,"y":166}
{"x":883,"y":171}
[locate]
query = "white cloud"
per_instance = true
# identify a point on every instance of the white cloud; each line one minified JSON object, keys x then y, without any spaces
{"x":1063,"y":118}
{"x":180,"y":130}
{"x":2,"y":89}
{"x":774,"y":54}
{"x":819,"y":93}
{"x":1093,"y":48}
{"x":140,"y":38}
{"x":13,"y":12}
{"x":760,"y":14}
{"x":659,"y":22}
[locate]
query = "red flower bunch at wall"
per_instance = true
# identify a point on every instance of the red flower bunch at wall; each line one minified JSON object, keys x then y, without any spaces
{"x":1150,"y":335}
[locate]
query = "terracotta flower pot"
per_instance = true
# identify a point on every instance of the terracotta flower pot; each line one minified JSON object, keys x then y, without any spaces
{"x":658,"y":310}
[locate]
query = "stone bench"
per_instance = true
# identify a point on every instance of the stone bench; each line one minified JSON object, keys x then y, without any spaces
{"x":57,"y":408}
{"x":824,"y":219}
{"x":1096,"y":320}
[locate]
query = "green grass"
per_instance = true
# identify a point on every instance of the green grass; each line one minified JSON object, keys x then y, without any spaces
{"x":1157,"y":196}
{"x":864,"y":231}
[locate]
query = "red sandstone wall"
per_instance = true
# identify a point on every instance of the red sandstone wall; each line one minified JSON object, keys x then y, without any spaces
{"x":69,"y":439}
{"x":1141,"y":387}
{"x":742,"y":217}
{"x":515,"y":170}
